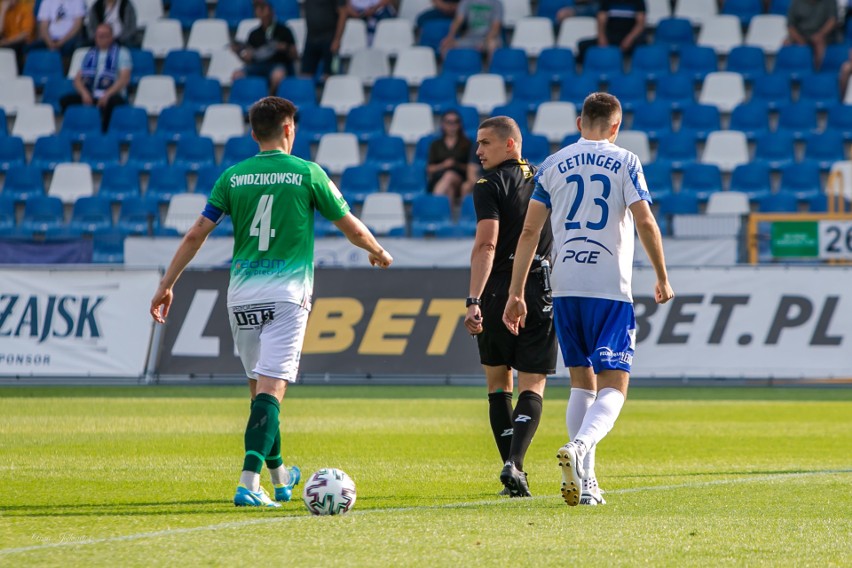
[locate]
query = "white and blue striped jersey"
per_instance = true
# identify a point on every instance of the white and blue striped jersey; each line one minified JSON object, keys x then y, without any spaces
{"x":588,"y":186}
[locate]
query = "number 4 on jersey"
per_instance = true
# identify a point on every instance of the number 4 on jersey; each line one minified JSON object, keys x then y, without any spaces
{"x":261,"y":224}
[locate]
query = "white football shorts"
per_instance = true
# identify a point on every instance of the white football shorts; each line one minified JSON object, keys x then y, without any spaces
{"x":269,"y":338}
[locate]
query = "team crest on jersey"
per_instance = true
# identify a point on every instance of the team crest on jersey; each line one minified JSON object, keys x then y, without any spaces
{"x":482,"y":180}
{"x":526,"y":170}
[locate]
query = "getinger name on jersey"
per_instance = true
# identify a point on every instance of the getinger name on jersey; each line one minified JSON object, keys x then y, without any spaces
{"x":589,"y":159}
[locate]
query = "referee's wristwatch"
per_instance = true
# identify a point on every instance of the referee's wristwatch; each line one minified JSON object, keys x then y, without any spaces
{"x":472,"y":302}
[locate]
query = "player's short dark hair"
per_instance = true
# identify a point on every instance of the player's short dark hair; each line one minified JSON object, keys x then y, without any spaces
{"x":599,"y":109}
{"x":505,"y":127}
{"x":268,"y":115}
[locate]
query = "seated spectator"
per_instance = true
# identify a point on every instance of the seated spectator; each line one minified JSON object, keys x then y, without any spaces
{"x":270,"y":50}
{"x":583,"y":8}
{"x":479,"y":23}
{"x":60,"y":25}
{"x":621,"y":23}
{"x":371,"y":11}
{"x":441,"y":10}
{"x":446,"y":167}
{"x":17,"y":25}
{"x":103,"y":77}
{"x":324,"y":22}
{"x":120,"y":15}
{"x":812,"y":22}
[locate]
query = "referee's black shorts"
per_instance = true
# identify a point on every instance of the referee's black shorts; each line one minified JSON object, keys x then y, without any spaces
{"x":534,"y":349}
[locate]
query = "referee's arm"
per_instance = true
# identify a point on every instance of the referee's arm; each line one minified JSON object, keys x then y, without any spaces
{"x":481,"y":262}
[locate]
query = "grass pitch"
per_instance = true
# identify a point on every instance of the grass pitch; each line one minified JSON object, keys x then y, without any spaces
{"x":144,"y":476}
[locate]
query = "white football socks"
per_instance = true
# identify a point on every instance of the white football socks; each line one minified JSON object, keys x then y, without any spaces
{"x":251,"y":480}
{"x":280,"y":475}
{"x":600,"y":417}
{"x":578,"y":404}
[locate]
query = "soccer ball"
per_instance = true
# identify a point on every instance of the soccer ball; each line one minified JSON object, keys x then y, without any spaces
{"x":329,"y":492}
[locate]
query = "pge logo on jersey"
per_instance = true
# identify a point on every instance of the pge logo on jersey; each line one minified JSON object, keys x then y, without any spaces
{"x":588,"y":254}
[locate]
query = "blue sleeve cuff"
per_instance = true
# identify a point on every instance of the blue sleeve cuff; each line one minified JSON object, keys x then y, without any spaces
{"x":540,"y":194}
{"x":213,"y":213}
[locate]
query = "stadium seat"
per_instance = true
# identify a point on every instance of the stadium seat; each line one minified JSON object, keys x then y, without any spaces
{"x":342,"y":93}
{"x":246,"y":91}
{"x":820,"y":89}
{"x":17,"y":93}
{"x":207,"y":176}
{"x":721,"y":33}
{"x":775,"y":149}
{"x":54,"y":90}
{"x":461,"y":63}
{"x":246,"y":26}
{"x":469,"y":119}
{"x":8,"y":63}
{"x":165,"y":182}
{"x":365,"y":121}
{"x":23,"y":183}
{"x":555,"y":63}
{"x":188,"y":11}
{"x":163,"y":36}
{"x":484,"y":91}
{"x":701,"y":180}
{"x":181,"y":64}
{"x":674,"y":34}
{"x":698,"y":62}
{"x":354,"y":37}
{"x":385,"y":152}
{"x":433,"y":32}
{"x":531,"y":92}
{"x":408,"y":180}
{"x":801,"y":179}
{"x":840,"y":119}
{"x":71,"y":181}
{"x":744,"y":10}
{"x":388,"y":92}
{"x":569,"y":139}
{"x":651,"y":61}
{"x":825,"y":148}
{"x":696,"y":11}
{"x":467,"y":216}
{"x":654,"y":119}
{"x":515,"y":11}
{"x":773,"y":90}
{"x":676,"y":149}
{"x":221,"y":122}
{"x":726,"y":149}
{"x":723,"y":89}
{"x":201,"y":92}
{"x":429,"y":214}
{"x":768,"y":32}
{"x":549,"y":8}
{"x":747,"y":60}
{"x":108,"y":246}
{"x":42,"y":65}
{"x":438,"y":92}
{"x":576,"y":88}
{"x":677,"y":90}
{"x":128,"y":122}
{"x":393,"y":35}
{"x":637,"y":142}
{"x":233,"y":11}
{"x":176,"y":122}
{"x":148,"y":11}
{"x":700,"y":120}
{"x":223,"y":64}
{"x":100,"y":151}
{"x":794,"y":61}
{"x":536,"y":148}
{"x":383,"y":212}
{"x":728,"y":203}
{"x":42,"y":213}
{"x":683,"y":203}
{"x":631,"y":90}
{"x":4,"y":131}
{"x":510,"y":63}
{"x":195,"y":152}
{"x":658,"y":178}
{"x":90,"y":214}
{"x":357,"y":182}
{"x":411,"y":121}
{"x":516,"y":111}
{"x":35,"y":121}
{"x":301,"y":148}
{"x":209,"y":35}
{"x":414,"y":64}
{"x":7,"y":215}
{"x":143,"y":65}
{"x":119,"y":183}
{"x":338,"y":151}
{"x":753,"y":179}
{"x":12,"y":152}
{"x":369,"y":64}
{"x":154,"y":93}
{"x":80,"y":122}
{"x":301,"y":92}
{"x":554,"y":120}
{"x":183,"y":210}
{"x":572,"y":30}
{"x":799,"y":118}
{"x":603,"y":63}
{"x":411,"y":9}
{"x":286,"y":10}
{"x":836,"y":54}
{"x":533,"y":35}
{"x":50,"y":151}
{"x":778,"y":203}
{"x":316,"y":121}
{"x":237,"y":149}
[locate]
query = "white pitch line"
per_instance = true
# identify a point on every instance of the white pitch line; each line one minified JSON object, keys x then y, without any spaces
{"x":241,"y":524}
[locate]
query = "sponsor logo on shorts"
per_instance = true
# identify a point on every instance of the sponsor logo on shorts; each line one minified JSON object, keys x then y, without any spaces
{"x":253,"y":316}
{"x":607,"y":355}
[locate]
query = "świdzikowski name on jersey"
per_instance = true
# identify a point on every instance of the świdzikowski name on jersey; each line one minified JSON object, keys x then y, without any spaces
{"x":266,"y":179}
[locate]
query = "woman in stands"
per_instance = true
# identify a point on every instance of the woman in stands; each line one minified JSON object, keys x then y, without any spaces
{"x":448,"y":157}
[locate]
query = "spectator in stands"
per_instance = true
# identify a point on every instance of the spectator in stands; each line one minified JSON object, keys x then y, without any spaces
{"x":480,"y":23}
{"x":270,"y":50}
{"x":60,"y":25}
{"x":120,"y":15}
{"x":448,"y":157}
{"x":813,"y":23}
{"x":584,"y":8}
{"x":324,"y":22}
{"x":441,"y":10}
{"x":17,"y":24}
{"x":103,"y":77}
{"x":371,"y":11}
{"x":621,"y":23}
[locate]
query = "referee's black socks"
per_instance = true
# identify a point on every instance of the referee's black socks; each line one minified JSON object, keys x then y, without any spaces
{"x":500,"y":414}
{"x":525,"y":422}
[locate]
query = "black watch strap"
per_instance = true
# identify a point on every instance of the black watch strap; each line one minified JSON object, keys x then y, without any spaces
{"x":472,"y":302}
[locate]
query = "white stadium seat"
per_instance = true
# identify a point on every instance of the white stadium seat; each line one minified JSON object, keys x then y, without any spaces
{"x":244,"y":28}
{"x":555,"y":120}
{"x":383,"y":212}
{"x":148,"y":11}
{"x":410,"y":9}
{"x":415,"y":64}
{"x":342,"y":93}
{"x":208,"y":36}
{"x":726,"y":148}
{"x":163,"y":36}
{"x":637,"y":142}
{"x":221,"y":122}
{"x":393,"y":35}
{"x":572,"y":30}
{"x":33,"y":121}
{"x":300,"y":32}
{"x":222,"y":65}
{"x":369,"y":64}
{"x":71,"y":181}
{"x":533,"y":35}
{"x":77,"y":61}
{"x":696,"y":11}
{"x":8,"y":63}
{"x":354,"y":37}
{"x":484,"y":91}
{"x":722,"y":89}
{"x":17,"y":92}
{"x":767,"y":31}
{"x":722,"y":33}
{"x":728,"y":203}
{"x":657,"y":10}
{"x":155,"y":92}
{"x":514,"y":10}
{"x":337,"y":151}
{"x":183,"y":210}
{"x":412,"y":121}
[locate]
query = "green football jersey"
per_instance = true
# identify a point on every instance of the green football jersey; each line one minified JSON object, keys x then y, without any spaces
{"x":271,"y":199}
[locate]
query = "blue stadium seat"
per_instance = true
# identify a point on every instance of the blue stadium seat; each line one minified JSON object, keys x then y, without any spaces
{"x":365,"y":121}
{"x":128,"y":122}
{"x":631,"y":89}
{"x":301,"y":148}
{"x":840,"y":118}
{"x":697,"y":61}
{"x":753,"y":179}
{"x":388,"y":92}
{"x":603,"y":62}
{"x":751,"y":118}
{"x":42,"y":65}
{"x":148,"y":152}
{"x":324,"y":228}
{"x":680,"y":204}
{"x":836,"y":54}
{"x":820,"y":89}
{"x":62,"y":233}
{"x":119,"y":183}
{"x":143,"y":65}
{"x":801,"y":179}
{"x":298,"y":90}
{"x":677,"y":90}
{"x":81,"y":121}
{"x":234,"y":11}
{"x":181,"y":64}
{"x":23,"y":183}
{"x":108,"y":245}
{"x":187,"y":11}
{"x":201,"y":92}
{"x":385,"y":152}
{"x":469,"y":118}
{"x":100,"y":152}
{"x":247,"y":91}
{"x":50,"y":151}
{"x":799,"y":118}
{"x":195,"y":152}
{"x":41,"y":213}
{"x":674,"y":34}
{"x":747,"y":60}
{"x":12,"y":152}
{"x":164,"y":182}
{"x":207,"y":177}
{"x":794,"y":61}
{"x":569,"y":139}
{"x":429,"y":214}
{"x":466,"y":223}
{"x":701,"y":180}
{"x":654,"y":119}
{"x":531,"y":92}
{"x":285,"y":9}
{"x":677,"y":149}
{"x":237,"y":149}
{"x":658,"y":177}
{"x":176,"y":122}
{"x":511,"y":63}
{"x":461,"y":63}
{"x":549,"y":8}
{"x":745,"y":10}
{"x":518,"y":111}
{"x":438,"y":92}
{"x":409,"y":180}
{"x":576,"y":88}
{"x":554,"y":63}
{"x":779,"y":7}
{"x":136,"y":214}
{"x":421,"y":149}
{"x":700,"y":120}
{"x":825,"y":148}
{"x":778,"y":203}
{"x":54,"y":90}
{"x":775,"y":149}
{"x":314,"y":121}
{"x":7,"y":215}
{"x":90,"y":214}
{"x":357,"y":182}
{"x":536,"y":148}
{"x":433,"y":32}
{"x":652,"y":61}
{"x":774,"y":90}
{"x":819,"y":204}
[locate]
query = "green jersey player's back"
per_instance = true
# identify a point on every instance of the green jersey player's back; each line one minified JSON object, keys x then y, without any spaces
{"x":271,"y":199}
